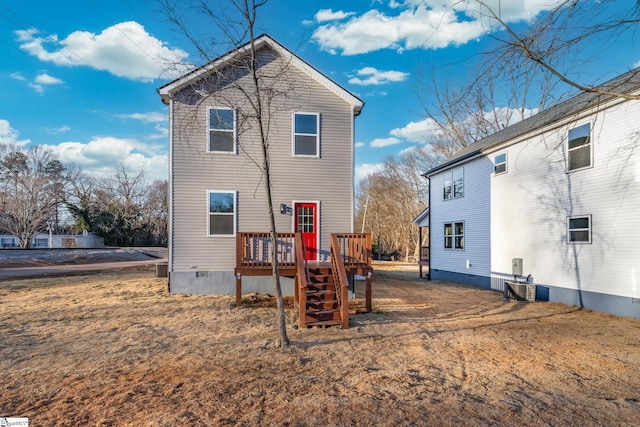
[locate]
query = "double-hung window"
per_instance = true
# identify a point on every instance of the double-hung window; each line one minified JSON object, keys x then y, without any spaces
{"x":500,"y":164}
{"x":579,"y":147}
{"x":306,"y":134}
{"x":222,"y":130}
{"x":221,"y":213}
{"x":453,"y":184}
{"x":454,"y":235}
{"x":579,"y":229}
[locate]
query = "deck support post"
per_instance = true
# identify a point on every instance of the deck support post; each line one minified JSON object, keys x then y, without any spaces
{"x":368,"y":296}
{"x":238,"y":289}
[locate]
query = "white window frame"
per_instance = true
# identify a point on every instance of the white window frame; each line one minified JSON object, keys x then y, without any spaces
{"x":588,"y":229}
{"x":453,"y":236}
{"x":497,"y":163}
{"x":234,"y":213}
{"x":7,"y":242}
{"x":40,"y":242}
{"x":211,"y":129}
{"x":294,"y":134}
{"x":589,"y":144}
{"x":449,"y":176}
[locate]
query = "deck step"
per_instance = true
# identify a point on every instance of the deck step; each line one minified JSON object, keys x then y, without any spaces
{"x":322,"y":312}
{"x":321,"y":278}
{"x":321,"y":292}
{"x":325,"y":323}
{"x":322,"y":306}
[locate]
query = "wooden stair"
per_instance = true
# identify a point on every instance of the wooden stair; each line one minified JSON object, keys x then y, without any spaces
{"x":322,"y":302}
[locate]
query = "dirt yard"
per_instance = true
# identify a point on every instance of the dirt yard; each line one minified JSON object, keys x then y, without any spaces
{"x":115,"y":349}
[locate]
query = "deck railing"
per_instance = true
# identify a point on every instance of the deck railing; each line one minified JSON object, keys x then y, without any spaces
{"x":301,"y":281}
{"x":254,"y":250}
{"x":340,"y":280}
{"x":355,"y":249}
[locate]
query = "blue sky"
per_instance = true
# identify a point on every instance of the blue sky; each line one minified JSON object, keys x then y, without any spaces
{"x":81,"y":76}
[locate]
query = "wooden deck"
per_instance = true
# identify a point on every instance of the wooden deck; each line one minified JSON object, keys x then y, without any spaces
{"x":350,"y":256}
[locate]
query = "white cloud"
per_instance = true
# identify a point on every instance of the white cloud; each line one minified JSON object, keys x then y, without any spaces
{"x":419,"y":132}
{"x":373,"y":76}
{"x":151,"y":117}
{"x":61,"y":129}
{"x":422,"y":24}
{"x":46,"y":79}
{"x":384,"y":142}
{"x":102,"y":155}
{"x":18,"y":76}
{"x":360,"y":144}
{"x":424,"y":131}
{"x":162,"y":132}
{"x":366,"y":169}
{"x":124,"y":50}
{"x":42,"y":80}
{"x":9,"y":135}
{"x":324,"y":15}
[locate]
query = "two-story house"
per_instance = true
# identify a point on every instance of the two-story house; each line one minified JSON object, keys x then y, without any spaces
{"x":556,"y":195}
{"x":216,"y":175}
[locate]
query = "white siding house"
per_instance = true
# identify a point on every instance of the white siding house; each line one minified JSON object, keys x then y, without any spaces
{"x":43,"y":240}
{"x":216,"y":181}
{"x":459,"y":237}
{"x":563,"y":190}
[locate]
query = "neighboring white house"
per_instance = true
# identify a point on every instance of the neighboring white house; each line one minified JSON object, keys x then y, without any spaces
{"x":216,"y":182}
{"x":41,"y":241}
{"x":556,"y":194}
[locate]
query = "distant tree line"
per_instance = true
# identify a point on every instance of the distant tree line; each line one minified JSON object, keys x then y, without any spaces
{"x":38,"y":191}
{"x":388,"y":200}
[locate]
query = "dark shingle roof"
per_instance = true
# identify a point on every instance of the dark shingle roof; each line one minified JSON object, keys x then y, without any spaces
{"x":625,"y":83}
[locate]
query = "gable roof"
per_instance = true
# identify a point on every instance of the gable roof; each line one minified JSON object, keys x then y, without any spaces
{"x":421,"y":217}
{"x":625,"y":83}
{"x":180,"y":83}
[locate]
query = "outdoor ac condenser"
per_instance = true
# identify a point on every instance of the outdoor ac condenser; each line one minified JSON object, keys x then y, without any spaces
{"x":519,"y":291}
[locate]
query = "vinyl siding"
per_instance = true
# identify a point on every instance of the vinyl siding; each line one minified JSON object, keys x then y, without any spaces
{"x":530,"y":205}
{"x":328,"y":179}
{"x":474,"y":210}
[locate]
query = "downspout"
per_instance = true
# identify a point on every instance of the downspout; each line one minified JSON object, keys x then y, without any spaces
{"x":353,"y":166}
{"x":429,"y":225}
{"x":170,"y":197}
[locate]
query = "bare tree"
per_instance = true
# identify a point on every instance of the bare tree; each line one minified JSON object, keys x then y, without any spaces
{"x":525,"y":70}
{"x":555,"y":44}
{"x":118,"y":200}
{"x":79,"y":201}
{"x":154,"y":213}
{"x":255,"y":104}
{"x":32,"y":184}
{"x":393,"y":197}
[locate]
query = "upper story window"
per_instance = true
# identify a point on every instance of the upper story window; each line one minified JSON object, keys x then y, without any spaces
{"x":454,"y":235}
{"x":221,"y":213}
{"x":306,"y":134}
{"x":579,"y":229}
{"x":222,"y":130}
{"x":500,"y":164}
{"x":579,"y":147}
{"x":453,"y":184}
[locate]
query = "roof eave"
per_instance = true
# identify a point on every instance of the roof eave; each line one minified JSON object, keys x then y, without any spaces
{"x":170,"y":88}
{"x":450,"y":163}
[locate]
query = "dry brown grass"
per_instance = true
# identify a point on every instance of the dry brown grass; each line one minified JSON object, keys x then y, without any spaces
{"x":117,"y":349}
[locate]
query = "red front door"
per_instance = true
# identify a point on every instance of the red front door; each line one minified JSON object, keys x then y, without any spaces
{"x":306,"y":222}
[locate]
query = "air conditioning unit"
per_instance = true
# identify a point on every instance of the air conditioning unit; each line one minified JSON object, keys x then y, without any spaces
{"x":519,"y":291}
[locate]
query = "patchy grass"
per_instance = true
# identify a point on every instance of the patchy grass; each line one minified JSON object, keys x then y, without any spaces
{"x":117,"y":349}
